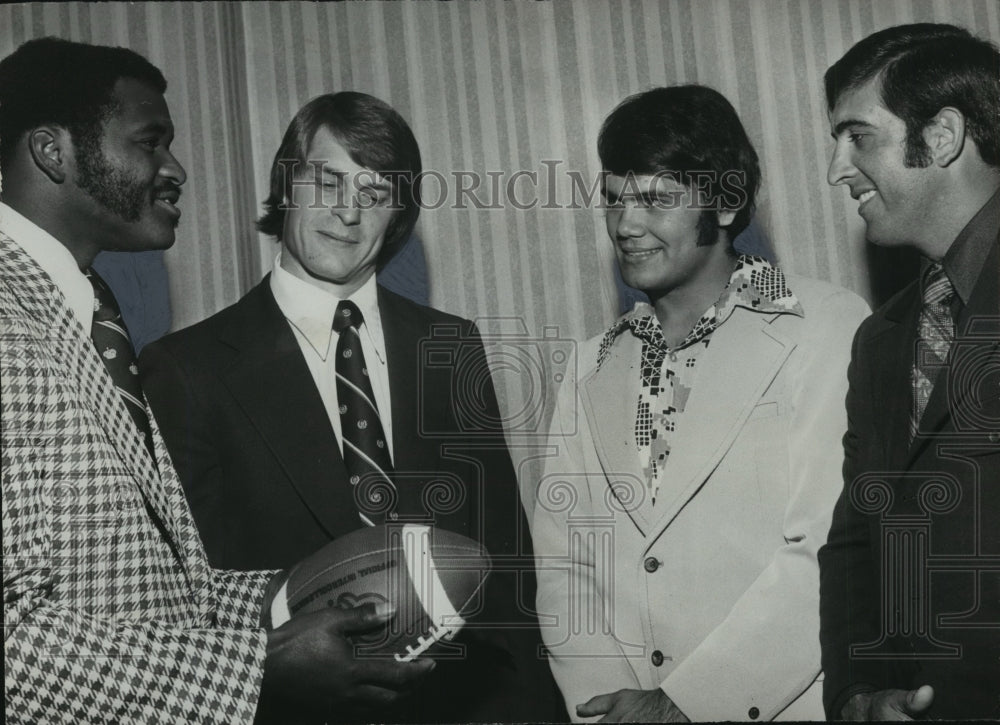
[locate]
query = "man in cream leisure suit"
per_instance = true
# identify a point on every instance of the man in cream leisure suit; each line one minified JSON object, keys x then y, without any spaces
{"x":111,"y":611}
{"x":698,"y":451}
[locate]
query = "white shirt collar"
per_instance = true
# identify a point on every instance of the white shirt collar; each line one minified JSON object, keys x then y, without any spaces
{"x":55,"y":260}
{"x":310,"y":309}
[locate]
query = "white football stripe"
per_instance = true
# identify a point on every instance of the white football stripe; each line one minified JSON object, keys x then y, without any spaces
{"x":279,"y":607}
{"x":423,"y":573}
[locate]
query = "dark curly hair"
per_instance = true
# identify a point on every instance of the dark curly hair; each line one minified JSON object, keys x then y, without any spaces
{"x":692,"y":133}
{"x":923,"y":68}
{"x":59,"y":82}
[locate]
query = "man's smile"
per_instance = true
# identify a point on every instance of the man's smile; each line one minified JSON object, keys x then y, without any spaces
{"x":335,"y":238}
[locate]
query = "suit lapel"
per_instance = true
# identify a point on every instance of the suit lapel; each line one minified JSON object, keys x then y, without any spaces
{"x":271,"y":381}
{"x":609,"y":398}
{"x":739,"y":364}
{"x":73,"y":350}
{"x":75,"y":357}
{"x":101,"y":396}
{"x":402,"y":349}
{"x":893,"y":347}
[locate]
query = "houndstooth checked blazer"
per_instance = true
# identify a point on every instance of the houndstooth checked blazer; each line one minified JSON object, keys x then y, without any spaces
{"x":111,"y":612}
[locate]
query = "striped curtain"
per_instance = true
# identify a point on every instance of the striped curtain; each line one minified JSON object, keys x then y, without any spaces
{"x":512,"y":91}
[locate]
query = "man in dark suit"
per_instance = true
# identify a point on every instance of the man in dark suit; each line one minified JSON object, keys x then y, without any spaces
{"x":910,"y":580}
{"x":257,"y":416}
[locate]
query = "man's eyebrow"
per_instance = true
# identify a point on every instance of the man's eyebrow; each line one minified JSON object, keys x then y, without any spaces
{"x":849,"y":123}
{"x":155,"y":127}
{"x":328,"y":170}
{"x":376,"y":181}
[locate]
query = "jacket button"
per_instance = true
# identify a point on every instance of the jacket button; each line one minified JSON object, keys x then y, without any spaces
{"x":657,"y":658}
{"x":651,"y":564}
{"x":754,"y":713}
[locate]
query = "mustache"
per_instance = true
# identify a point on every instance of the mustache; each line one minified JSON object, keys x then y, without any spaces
{"x":167,"y":187}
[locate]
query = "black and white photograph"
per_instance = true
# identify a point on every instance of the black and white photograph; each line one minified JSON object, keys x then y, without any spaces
{"x":497,"y":361}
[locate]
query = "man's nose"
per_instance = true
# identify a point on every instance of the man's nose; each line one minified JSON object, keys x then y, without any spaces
{"x":350,"y":213}
{"x":173,"y":170}
{"x":841,"y":168}
{"x":630,"y":222}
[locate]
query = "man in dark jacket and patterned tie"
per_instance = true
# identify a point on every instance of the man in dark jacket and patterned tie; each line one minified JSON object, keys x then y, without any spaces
{"x":910,"y":579}
{"x":259,"y":406}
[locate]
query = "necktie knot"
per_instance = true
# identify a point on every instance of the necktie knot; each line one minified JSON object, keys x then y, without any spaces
{"x":937,"y":287}
{"x":105,"y":306}
{"x":647,"y":328}
{"x":347,"y":315}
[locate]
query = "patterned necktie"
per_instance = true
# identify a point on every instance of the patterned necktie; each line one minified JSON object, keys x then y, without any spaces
{"x":935,"y":332}
{"x":366,"y":453}
{"x":649,"y":434}
{"x":115,"y":348}
{"x":661,"y":399}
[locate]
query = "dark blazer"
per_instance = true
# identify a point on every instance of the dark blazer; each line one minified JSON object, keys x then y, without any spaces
{"x":910,"y":573}
{"x":252,"y":442}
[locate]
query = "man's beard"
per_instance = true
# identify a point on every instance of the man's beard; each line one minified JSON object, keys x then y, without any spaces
{"x":113,"y":187}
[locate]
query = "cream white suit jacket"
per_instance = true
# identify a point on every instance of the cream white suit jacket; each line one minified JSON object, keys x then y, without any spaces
{"x":713,"y":592}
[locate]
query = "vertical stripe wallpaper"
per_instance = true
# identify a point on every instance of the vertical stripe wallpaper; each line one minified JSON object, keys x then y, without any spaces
{"x":511,"y":93}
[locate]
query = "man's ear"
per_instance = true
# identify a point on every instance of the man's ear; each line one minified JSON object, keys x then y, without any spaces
{"x":945,"y":136}
{"x":52,"y":151}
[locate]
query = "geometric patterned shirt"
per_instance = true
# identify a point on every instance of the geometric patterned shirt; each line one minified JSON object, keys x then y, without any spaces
{"x":668,"y":374}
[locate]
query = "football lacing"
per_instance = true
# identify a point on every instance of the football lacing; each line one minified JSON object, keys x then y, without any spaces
{"x":434,"y":635}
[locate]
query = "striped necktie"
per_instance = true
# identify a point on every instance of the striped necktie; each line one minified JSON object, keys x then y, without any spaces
{"x":935,"y":332}
{"x":366,"y":453}
{"x":115,"y":348}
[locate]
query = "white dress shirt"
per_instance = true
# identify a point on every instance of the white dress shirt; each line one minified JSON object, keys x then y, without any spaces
{"x":310,"y":310}
{"x":55,"y":260}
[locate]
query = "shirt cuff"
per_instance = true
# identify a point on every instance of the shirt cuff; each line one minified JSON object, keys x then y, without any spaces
{"x":837,"y":708}
{"x":274,"y":611}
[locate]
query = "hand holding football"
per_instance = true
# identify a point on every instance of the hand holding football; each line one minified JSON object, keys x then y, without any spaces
{"x":432,"y":578}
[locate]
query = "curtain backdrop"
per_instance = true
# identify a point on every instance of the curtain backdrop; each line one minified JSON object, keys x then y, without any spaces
{"x":503,"y":90}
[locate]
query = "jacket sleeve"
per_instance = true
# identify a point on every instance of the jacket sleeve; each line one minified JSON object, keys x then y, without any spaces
{"x":765,"y":653}
{"x":239,"y":597}
{"x":849,"y":585}
{"x":572,"y":566}
{"x":68,"y":657}
{"x":186,"y":427}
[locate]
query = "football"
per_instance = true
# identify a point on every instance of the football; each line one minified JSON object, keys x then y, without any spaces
{"x":433,"y":577}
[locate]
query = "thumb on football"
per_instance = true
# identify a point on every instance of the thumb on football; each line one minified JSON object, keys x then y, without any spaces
{"x":363,"y":618}
{"x":919,"y":700}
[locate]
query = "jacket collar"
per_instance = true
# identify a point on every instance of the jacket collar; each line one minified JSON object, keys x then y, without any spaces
{"x":754,"y":285}
{"x":718,"y":407}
